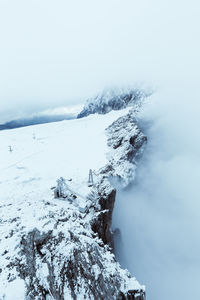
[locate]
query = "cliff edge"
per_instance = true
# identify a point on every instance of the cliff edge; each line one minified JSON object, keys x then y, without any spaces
{"x":59,"y":246}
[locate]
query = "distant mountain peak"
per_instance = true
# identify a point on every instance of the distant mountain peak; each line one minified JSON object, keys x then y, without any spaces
{"x":114,"y":99}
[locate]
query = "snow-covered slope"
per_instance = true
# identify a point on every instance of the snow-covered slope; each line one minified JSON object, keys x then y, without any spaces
{"x":58,"y":248}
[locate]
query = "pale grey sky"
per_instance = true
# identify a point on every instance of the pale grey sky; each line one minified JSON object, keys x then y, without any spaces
{"x":54,"y":53}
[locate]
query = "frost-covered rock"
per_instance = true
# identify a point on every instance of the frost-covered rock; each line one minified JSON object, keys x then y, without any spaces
{"x":114,"y":100}
{"x":127,"y":143}
{"x":66,"y":256}
{"x":69,"y":262}
{"x":62,"y":248}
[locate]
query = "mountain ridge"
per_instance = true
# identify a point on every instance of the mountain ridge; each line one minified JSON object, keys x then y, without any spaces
{"x":60,"y":248}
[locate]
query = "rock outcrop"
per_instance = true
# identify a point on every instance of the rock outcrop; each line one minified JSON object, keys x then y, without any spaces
{"x":127,"y":143}
{"x":68,"y":254}
{"x":114,"y":100}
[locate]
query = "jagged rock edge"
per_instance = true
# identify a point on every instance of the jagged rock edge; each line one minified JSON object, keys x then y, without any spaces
{"x":36,"y":253}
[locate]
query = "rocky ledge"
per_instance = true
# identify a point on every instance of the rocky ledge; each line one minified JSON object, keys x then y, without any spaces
{"x":68,"y":255}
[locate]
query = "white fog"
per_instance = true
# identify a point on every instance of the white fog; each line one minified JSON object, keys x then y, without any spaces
{"x":57,"y":54}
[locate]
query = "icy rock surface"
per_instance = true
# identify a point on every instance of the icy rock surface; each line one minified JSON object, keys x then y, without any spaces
{"x":66,"y":252}
{"x":113,"y":100}
{"x":127,"y":143}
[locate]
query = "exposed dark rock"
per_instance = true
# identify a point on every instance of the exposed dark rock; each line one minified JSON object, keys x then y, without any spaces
{"x":83,"y":267}
{"x":105,"y":200}
{"x":31,"y":245}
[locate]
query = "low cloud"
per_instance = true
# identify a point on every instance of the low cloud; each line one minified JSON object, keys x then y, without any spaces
{"x":159,"y":214}
{"x":55,"y":54}
{"x":75,"y":49}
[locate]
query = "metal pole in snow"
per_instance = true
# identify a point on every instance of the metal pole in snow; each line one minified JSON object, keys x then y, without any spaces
{"x":90,"y":181}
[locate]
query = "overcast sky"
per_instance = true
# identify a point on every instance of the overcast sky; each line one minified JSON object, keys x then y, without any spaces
{"x":55,"y":53}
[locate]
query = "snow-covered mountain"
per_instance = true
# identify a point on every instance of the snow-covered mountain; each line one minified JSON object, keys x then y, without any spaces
{"x":56,"y":241}
{"x":47,"y":116}
{"x":114,"y":99}
{"x":34,"y":121}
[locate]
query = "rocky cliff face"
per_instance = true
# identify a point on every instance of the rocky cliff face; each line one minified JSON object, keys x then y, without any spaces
{"x":126,"y":142}
{"x":68,"y":253}
{"x":70,"y":261}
